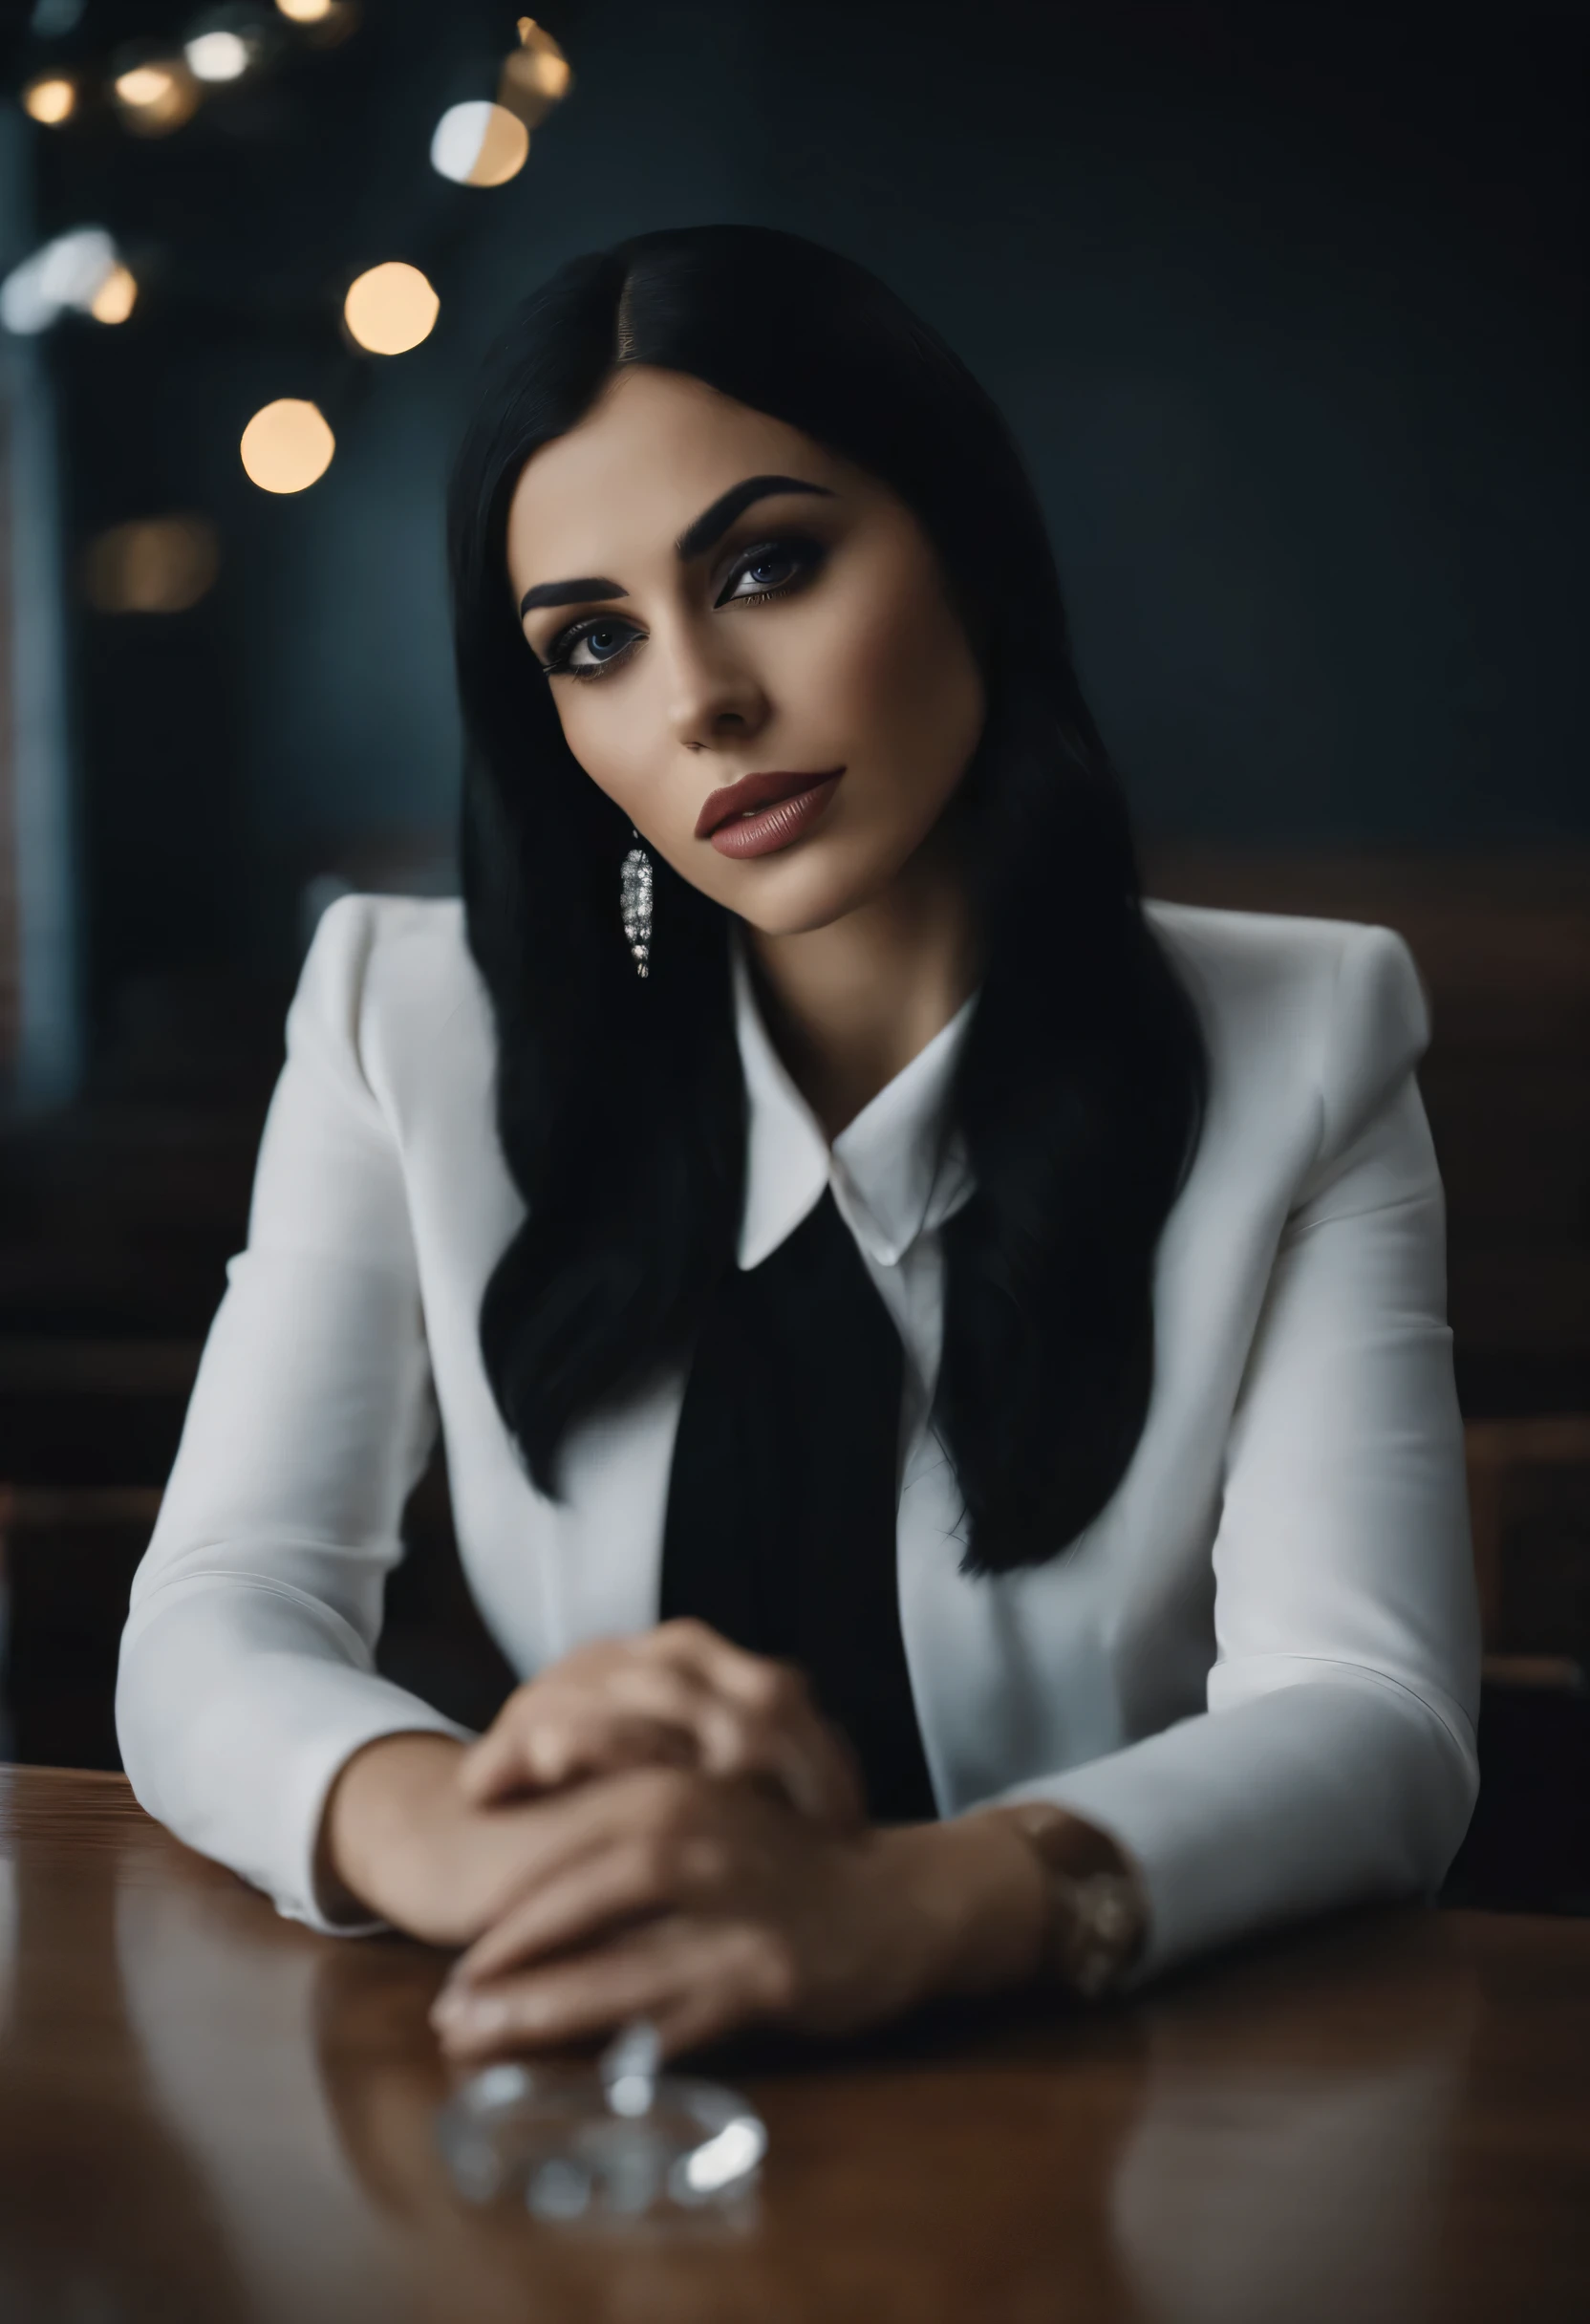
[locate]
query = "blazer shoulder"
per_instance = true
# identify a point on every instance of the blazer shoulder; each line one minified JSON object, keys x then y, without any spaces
{"x":362,"y":944}
{"x":1278,"y":993}
{"x":393,"y":976}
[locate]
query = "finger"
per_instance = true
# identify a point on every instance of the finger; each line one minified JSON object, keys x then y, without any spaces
{"x":544,"y":1751}
{"x":556,"y":1727}
{"x":729,"y":1670}
{"x":814,"y":1767}
{"x":778,"y":1731}
{"x":646,"y":1873}
{"x":539,"y":1841}
{"x":587,"y":1902}
{"x":694,"y":1979}
{"x":679,"y":1693}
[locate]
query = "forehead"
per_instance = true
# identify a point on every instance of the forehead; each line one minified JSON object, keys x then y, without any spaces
{"x":650,"y":453}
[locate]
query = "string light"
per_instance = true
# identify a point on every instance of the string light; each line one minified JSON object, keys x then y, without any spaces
{"x":535,"y":77}
{"x":479,"y":144}
{"x":550,"y":63}
{"x":145,"y":85}
{"x":156,"y":95}
{"x":219,"y":55}
{"x":286,"y":446}
{"x":52,"y":100}
{"x":390,"y":308}
{"x":116,"y":297}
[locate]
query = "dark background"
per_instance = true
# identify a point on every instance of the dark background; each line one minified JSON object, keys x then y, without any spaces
{"x":1284,"y":302}
{"x":1286,"y":306}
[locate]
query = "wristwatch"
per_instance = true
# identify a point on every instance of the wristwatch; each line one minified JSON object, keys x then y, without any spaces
{"x":1097,"y":1919}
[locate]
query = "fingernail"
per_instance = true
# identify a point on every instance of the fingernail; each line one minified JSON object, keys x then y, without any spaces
{"x":469,"y":2013}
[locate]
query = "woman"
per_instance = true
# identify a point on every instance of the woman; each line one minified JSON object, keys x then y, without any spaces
{"x":943,"y":1365}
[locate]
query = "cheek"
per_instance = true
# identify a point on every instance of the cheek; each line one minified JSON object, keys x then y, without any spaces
{"x":897,"y":672}
{"x":609,"y":745}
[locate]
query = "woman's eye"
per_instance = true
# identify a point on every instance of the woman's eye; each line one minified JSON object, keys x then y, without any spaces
{"x":775,"y":566}
{"x":586,"y":651}
{"x":601,"y":645}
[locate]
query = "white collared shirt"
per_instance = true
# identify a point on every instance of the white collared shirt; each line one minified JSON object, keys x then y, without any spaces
{"x":1258,"y":1667}
{"x":895,"y":1179}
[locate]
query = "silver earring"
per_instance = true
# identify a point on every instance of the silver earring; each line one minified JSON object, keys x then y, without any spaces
{"x":634,"y":906}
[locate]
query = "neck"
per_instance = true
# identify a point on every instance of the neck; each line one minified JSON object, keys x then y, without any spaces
{"x":849,"y":1007}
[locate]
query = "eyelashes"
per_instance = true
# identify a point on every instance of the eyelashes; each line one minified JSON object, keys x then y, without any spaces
{"x":793,"y":559}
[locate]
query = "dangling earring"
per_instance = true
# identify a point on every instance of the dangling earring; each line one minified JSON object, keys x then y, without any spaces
{"x":634,"y":906}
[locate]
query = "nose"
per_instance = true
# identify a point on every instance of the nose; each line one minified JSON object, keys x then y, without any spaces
{"x":715,"y":696}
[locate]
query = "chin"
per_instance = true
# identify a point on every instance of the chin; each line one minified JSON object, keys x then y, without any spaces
{"x":810,"y":895}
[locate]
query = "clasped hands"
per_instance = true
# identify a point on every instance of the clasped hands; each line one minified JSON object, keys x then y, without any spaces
{"x":666,"y":1827}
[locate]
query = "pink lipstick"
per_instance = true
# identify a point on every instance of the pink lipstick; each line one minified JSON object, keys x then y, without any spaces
{"x":761,"y":813}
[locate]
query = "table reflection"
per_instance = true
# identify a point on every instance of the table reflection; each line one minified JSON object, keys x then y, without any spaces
{"x":90,"y":2187}
{"x":1288,"y":2157}
{"x":298,"y":2077}
{"x":1262,"y":2140}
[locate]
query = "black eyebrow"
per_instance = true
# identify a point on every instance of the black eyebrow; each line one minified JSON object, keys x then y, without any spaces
{"x":714,"y":522}
{"x":567,"y":592}
{"x":696,"y":538}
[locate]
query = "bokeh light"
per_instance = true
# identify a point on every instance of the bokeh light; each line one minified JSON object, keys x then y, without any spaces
{"x":535,"y":77}
{"x":219,"y":55}
{"x":68,"y":273}
{"x":306,"y":11}
{"x":159,"y":565}
{"x":479,"y":144}
{"x":551,"y":64}
{"x":156,"y":95}
{"x":286,"y":446}
{"x":52,"y":100}
{"x":116,"y":297}
{"x":390,"y":308}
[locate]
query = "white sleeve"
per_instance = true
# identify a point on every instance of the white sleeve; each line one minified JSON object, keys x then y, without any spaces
{"x":246,"y":1676}
{"x":1336,"y":1760}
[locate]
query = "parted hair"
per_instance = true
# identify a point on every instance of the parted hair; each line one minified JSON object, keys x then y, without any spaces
{"x":621,"y":1106}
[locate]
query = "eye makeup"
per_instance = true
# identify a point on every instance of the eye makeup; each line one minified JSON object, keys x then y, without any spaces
{"x":793,"y":559}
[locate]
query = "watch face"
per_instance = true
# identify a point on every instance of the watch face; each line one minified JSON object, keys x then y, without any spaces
{"x":1099,"y":1926}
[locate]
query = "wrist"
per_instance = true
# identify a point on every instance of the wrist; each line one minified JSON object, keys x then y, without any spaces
{"x":979,"y":1901}
{"x":1097,"y":1919}
{"x":390,"y":1824}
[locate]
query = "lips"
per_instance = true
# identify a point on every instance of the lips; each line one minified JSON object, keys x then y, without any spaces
{"x":761,"y":813}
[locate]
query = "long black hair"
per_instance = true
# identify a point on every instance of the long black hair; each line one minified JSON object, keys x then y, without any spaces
{"x":621,"y":1104}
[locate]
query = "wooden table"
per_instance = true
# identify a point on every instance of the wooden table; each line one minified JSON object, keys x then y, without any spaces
{"x":208,"y":2112}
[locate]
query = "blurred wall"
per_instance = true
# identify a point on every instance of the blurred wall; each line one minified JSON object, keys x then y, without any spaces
{"x":1283,"y":303}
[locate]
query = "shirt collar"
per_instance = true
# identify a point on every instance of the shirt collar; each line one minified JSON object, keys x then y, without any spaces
{"x":892,"y":1176}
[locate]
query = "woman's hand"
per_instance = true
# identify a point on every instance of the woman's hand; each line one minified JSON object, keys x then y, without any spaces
{"x":705,"y":1906}
{"x":435,"y":1838}
{"x":399,"y":1842}
{"x":679,"y":1696}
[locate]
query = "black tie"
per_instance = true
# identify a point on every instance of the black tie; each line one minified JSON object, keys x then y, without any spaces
{"x":784,"y":1497}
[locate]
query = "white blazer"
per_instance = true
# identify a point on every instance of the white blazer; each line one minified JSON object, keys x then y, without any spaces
{"x":1258,"y":1668}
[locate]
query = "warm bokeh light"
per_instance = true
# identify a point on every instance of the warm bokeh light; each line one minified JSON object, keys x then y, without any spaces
{"x":306,"y":11}
{"x":390,"y":308}
{"x":116,"y":297}
{"x":551,"y":64}
{"x":286,"y":446}
{"x":156,"y":96}
{"x":50,"y":100}
{"x":145,"y":85}
{"x":480,"y":144}
{"x":160,"y":565}
{"x":219,"y":55}
{"x":536,"y":76}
